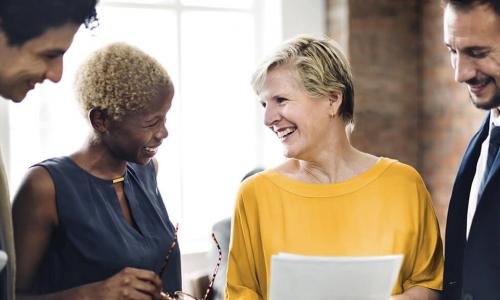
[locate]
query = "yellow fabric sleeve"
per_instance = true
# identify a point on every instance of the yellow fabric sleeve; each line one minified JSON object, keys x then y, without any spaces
{"x":430,"y":247}
{"x":243,"y":284}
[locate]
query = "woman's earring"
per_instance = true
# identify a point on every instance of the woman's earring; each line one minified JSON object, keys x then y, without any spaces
{"x":332,"y":114}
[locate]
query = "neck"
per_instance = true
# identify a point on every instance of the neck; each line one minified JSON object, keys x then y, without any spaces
{"x":335,"y":163}
{"x":97,"y":159}
{"x":340,"y":165}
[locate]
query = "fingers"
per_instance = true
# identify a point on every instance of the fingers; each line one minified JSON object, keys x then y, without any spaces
{"x":142,"y":286}
{"x":145,"y":281}
{"x":136,"y":284}
{"x":145,"y":275}
{"x":130,"y":293}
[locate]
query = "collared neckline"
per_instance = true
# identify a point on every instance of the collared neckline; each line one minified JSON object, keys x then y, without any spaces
{"x":494,"y":118}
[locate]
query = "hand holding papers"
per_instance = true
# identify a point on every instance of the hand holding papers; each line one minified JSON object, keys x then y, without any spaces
{"x":3,"y":259}
{"x":333,"y":277}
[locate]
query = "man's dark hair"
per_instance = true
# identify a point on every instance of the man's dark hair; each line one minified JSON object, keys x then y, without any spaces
{"x":23,"y":20}
{"x":468,"y":4}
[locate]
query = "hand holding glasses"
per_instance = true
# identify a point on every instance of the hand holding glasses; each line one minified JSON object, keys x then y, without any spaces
{"x":179,"y":295}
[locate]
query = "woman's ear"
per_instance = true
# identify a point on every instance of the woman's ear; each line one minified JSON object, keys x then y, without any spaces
{"x":99,"y":119}
{"x":335,"y":99}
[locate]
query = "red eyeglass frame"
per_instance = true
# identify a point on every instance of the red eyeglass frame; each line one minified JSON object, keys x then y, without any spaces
{"x":180,"y":294}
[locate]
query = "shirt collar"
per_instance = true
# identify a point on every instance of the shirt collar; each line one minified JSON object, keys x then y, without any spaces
{"x":494,"y":118}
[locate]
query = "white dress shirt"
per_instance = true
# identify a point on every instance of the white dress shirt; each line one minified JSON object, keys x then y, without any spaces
{"x":480,"y":169}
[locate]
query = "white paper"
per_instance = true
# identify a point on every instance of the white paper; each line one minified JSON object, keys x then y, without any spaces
{"x":3,"y":259}
{"x":333,"y":277}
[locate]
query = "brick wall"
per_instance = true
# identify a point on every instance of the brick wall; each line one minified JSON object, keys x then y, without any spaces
{"x":407,"y":105}
{"x":384,"y":58}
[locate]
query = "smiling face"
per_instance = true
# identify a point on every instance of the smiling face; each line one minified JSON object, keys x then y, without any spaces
{"x":40,"y":58}
{"x":137,"y":135}
{"x":301,"y":122}
{"x":473,"y":40}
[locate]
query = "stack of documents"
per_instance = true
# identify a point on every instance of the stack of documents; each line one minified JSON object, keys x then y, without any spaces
{"x":333,"y":277}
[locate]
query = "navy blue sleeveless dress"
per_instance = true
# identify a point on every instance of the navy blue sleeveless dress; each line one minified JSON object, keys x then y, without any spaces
{"x":93,"y":240}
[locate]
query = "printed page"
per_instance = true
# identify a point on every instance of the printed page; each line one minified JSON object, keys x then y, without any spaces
{"x":333,"y":277}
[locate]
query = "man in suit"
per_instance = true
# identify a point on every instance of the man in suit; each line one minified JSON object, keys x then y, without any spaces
{"x":34,"y":35}
{"x":472,"y":257}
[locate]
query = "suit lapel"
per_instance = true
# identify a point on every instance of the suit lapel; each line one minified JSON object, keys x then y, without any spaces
{"x":467,"y":168}
{"x":457,"y":211}
{"x":456,"y":224}
{"x":495,"y":168}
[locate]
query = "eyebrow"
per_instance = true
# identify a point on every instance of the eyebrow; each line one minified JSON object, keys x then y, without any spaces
{"x":54,"y":52}
{"x":477,"y":48}
{"x":153,"y":119}
{"x":471,"y":48}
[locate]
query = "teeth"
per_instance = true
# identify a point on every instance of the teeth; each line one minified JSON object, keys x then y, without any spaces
{"x":149,"y":149}
{"x":483,"y":83}
{"x":285,"y":132}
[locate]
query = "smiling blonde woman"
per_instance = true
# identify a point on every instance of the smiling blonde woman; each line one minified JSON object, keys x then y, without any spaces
{"x":327,"y":198}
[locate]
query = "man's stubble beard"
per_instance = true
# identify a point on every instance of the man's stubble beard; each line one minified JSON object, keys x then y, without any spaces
{"x":490,"y":104}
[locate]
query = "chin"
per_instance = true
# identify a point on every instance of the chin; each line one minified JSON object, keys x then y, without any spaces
{"x":14,"y":97}
{"x":290,"y":153}
{"x":287,"y":153}
{"x":20,"y":94}
{"x":143,"y":161}
{"x":17,"y":100}
{"x":486,"y":104}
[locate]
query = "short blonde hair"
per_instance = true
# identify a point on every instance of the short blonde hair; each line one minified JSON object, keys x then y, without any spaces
{"x":119,"y":78}
{"x":321,"y":66}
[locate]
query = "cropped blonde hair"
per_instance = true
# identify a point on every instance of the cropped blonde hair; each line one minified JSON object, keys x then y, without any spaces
{"x":321,"y":66}
{"x":120,"y":78}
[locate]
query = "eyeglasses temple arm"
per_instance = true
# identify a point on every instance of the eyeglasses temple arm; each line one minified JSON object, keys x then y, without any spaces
{"x":211,"y":284}
{"x":170,"y":250}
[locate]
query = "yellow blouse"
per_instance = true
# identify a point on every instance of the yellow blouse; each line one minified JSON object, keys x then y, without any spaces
{"x":385,"y":210}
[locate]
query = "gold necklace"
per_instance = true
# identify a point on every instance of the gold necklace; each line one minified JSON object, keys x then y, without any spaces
{"x":118,"y":179}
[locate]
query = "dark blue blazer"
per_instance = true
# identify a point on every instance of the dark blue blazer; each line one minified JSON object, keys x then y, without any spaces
{"x":472,"y":267}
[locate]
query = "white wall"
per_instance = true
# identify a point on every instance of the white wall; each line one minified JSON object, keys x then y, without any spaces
{"x":304,"y":17}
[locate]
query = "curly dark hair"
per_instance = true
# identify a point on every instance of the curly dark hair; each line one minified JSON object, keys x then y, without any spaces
{"x":468,"y":4}
{"x":23,"y":20}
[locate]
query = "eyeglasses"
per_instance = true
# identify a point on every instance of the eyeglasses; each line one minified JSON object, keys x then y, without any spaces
{"x":179,"y":295}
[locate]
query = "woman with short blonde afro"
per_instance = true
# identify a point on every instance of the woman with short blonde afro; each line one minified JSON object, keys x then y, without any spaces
{"x":119,"y":78}
{"x":93,"y":225}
